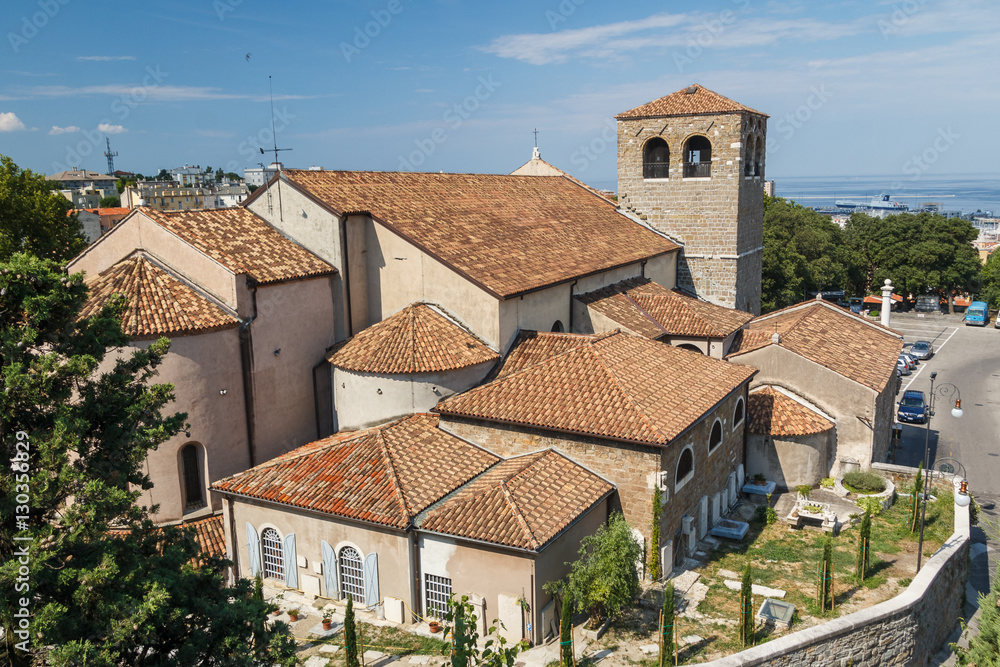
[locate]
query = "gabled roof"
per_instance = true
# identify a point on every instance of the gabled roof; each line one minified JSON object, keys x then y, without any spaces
{"x":242,"y":242}
{"x":651,"y":310}
{"x":417,"y":339}
{"x":508,"y":234}
{"x":693,"y":100}
{"x":770,"y":412}
{"x":617,"y":386}
{"x":522,"y":502}
{"x":159,"y":301}
{"x":384,"y":475}
{"x":830,"y":336}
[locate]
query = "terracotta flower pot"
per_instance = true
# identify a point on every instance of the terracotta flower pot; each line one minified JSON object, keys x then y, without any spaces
{"x":293,"y":616}
{"x":327,"y":623}
{"x":435,"y":626}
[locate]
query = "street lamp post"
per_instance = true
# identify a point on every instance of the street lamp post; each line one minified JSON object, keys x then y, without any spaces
{"x":946,"y":391}
{"x":962,"y":497}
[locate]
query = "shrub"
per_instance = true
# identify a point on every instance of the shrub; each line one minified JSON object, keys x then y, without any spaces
{"x":864,"y":481}
{"x":827,"y":482}
{"x":767,"y":514}
{"x":654,"y":551}
{"x":871,"y":506}
{"x":803,"y":490}
{"x":603,"y":579}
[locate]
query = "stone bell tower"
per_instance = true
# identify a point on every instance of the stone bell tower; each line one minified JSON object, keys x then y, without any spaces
{"x":691,"y":164}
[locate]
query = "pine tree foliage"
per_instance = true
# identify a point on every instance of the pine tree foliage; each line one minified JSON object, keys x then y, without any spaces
{"x":350,"y":636}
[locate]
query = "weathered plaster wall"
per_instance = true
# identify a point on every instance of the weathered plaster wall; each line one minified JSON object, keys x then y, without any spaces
{"x":791,"y":460}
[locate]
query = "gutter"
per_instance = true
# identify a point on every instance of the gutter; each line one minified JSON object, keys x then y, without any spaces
{"x":246,"y":366}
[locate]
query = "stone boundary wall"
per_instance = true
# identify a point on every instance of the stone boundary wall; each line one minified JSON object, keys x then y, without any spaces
{"x":909,"y":629}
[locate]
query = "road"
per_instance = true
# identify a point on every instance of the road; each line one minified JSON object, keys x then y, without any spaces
{"x":969,"y":359}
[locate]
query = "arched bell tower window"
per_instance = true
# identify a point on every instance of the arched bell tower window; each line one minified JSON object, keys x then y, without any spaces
{"x":656,"y":159}
{"x":194,"y":493}
{"x":697,"y":157}
{"x":750,"y":157}
{"x":758,"y":154}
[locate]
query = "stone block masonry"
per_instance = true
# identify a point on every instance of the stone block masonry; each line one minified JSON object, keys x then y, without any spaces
{"x":720,"y":218}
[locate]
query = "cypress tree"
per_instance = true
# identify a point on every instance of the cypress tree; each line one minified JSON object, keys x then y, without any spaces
{"x":655,"y":567}
{"x":825,"y":575}
{"x":667,"y":626}
{"x":864,"y":537}
{"x":566,"y":633}
{"x":918,"y":486}
{"x":746,"y":607}
{"x":350,"y":636}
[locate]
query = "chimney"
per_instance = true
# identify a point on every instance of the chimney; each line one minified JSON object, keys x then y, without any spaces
{"x":886,"y":301}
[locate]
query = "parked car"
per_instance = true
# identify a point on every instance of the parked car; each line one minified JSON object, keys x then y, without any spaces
{"x":913,"y":407}
{"x":922,"y":350}
{"x":996,"y":325}
{"x":902,"y":367}
{"x":910,"y":360}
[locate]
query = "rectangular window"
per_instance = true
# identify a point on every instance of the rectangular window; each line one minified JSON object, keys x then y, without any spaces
{"x":438,"y":594}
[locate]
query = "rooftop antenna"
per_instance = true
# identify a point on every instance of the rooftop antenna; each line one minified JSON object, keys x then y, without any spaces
{"x":275,"y":150}
{"x":111,"y":157}
{"x":535,"y":154}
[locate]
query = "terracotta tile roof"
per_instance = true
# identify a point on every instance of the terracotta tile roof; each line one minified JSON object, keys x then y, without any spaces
{"x":522,"y":502}
{"x":417,"y":339}
{"x":830,"y":336}
{"x":243,"y":242}
{"x":650,"y":309}
{"x":618,"y":386}
{"x":771,"y":412}
{"x":159,"y":302}
{"x":691,"y":100}
{"x":532,"y":347}
{"x":509,"y":234}
{"x":385,"y":475}
{"x":210,"y":535}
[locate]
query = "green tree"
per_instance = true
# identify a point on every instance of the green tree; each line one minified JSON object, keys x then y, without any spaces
{"x":984,"y":646}
{"x":218,"y":174}
{"x":667,"y":625}
{"x":746,"y":607}
{"x":864,"y":539}
{"x":110,"y":202}
{"x":603,"y":580}
{"x":350,"y":636}
{"x":990,"y":279}
{"x":803,"y":252}
{"x":654,"y":542}
{"x":825,"y":577}
{"x":465,"y":651}
{"x":107,"y":587}
{"x":566,"y":633}
{"x":33,"y":218}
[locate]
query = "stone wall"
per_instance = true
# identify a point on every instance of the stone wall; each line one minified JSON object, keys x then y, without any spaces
{"x":909,"y":629}
{"x":719,"y":219}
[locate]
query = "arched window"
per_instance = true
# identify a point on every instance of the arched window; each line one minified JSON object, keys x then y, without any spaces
{"x":656,"y":159}
{"x":274,"y":555}
{"x":685,"y":469}
{"x":758,"y":156}
{"x":697,"y":157}
{"x":750,"y":157}
{"x":557,"y":326}
{"x":689,"y":346}
{"x":194,"y":494}
{"x":738,"y":412}
{"x":716,"y":438}
{"x":352,"y":574}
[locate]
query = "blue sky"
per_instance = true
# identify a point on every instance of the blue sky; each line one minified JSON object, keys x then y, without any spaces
{"x":905,"y":89}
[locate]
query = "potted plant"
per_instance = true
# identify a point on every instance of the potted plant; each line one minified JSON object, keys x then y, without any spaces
{"x":293,"y":615}
{"x":327,"y":619}
{"x":759,"y":479}
{"x":277,"y":603}
{"x":435,"y":626}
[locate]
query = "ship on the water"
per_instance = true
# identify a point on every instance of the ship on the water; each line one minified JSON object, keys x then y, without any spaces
{"x":881,"y":203}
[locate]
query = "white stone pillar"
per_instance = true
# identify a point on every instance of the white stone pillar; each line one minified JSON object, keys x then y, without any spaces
{"x":688,"y":527}
{"x":667,"y":559}
{"x":741,"y":477}
{"x":703,"y":517}
{"x":715,"y":509}
{"x":886,"y":301}
{"x":731,"y":485}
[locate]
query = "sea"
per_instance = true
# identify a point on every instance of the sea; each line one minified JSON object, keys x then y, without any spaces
{"x":958,"y":193}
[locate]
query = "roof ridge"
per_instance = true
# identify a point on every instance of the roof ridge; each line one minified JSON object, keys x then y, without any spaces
{"x":516,"y":511}
{"x":387,"y":455}
{"x":628,"y":396}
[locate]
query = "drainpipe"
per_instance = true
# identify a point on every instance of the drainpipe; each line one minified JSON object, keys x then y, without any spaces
{"x":246,"y":363}
{"x":346,"y":277}
{"x":415,"y":598}
{"x":316,"y":406}
{"x":569,"y":329}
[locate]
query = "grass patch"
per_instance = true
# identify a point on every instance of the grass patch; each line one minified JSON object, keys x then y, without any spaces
{"x":399,"y":642}
{"x":864,"y":481}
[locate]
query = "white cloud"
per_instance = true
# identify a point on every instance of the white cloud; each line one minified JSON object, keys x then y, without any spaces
{"x":152,"y":93}
{"x":63,"y":130}
{"x":9,"y":122}
{"x":105,"y":58}
{"x":108,"y":128}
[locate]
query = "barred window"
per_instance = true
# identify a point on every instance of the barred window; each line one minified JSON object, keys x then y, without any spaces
{"x":438,"y":594}
{"x":270,"y":543}
{"x":352,"y":574}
